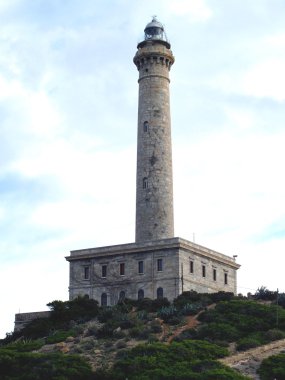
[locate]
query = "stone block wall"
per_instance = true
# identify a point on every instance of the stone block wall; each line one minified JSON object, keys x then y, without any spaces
{"x":166,"y":265}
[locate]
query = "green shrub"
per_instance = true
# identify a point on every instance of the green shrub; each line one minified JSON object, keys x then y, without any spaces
{"x":274,"y":334}
{"x":29,"y":366}
{"x":140,"y":332}
{"x":152,"y":338}
{"x":106,"y":331}
{"x":263,"y":293}
{"x":81,"y":308}
{"x":187,"y":360}
{"x":38,"y":328}
{"x":273,"y":368}
{"x":249,"y":342}
{"x":167,"y":312}
{"x":155,"y":327}
{"x":142,"y":315}
{"x":59,"y":336}
{"x":87,"y":345}
{"x":186,"y":334}
{"x":191,"y":308}
{"x":119,"y":334}
{"x":186,"y":297}
{"x":121,"y":344}
{"x":126,"y":322}
{"x":218,"y":331}
{"x":105,"y":314}
{"x":149,"y":305}
{"x":25,"y":345}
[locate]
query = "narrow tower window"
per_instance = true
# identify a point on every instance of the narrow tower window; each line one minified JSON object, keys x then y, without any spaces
{"x":145,"y":183}
{"x":226,"y":278}
{"x":122,"y":269}
{"x":86,"y":273}
{"x":141,"y":268}
{"x":145,"y":126}
{"x":191,"y":266}
{"x":214,"y":274}
{"x":159,"y":265}
{"x":203,"y":270}
{"x":104,"y":270}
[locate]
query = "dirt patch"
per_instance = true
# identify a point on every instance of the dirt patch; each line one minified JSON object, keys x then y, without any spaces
{"x":249,"y":361}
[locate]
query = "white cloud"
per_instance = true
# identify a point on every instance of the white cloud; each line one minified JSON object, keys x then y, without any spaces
{"x":266,"y":79}
{"x":196,"y":10}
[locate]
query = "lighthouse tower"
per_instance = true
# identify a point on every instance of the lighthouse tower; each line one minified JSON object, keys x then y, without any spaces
{"x":157,"y":264}
{"x":154,"y":188}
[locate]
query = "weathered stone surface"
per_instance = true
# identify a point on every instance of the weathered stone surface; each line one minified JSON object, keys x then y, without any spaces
{"x":21,"y":319}
{"x":154,"y":189}
{"x":175,"y":276}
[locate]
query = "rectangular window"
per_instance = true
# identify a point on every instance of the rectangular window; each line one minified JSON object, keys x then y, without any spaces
{"x":159,"y":265}
{"x":226,"y":278}
{"x":86,"y":273}
{"x":214,"y":274}
{"x":191,"y":266}
{"x":104,"y":270}
{"x":141,"y":267}
{"x":203,"y":270}
{"x":122,"y":269}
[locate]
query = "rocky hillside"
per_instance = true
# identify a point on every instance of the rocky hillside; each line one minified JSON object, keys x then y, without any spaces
{"x":198,"y":336}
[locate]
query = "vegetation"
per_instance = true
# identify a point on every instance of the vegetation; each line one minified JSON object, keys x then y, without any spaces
{"x":247,"y":322}
{"x":82,"y":327}
{"x":185,"y":360}
{"x":63,"y":314}
{"x":273,"y":368}
{"x":30,"y":366}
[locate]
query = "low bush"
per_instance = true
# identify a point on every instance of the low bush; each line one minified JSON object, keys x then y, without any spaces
{"x":149,"y":305}
{"x":167,"y":312}
{"x":87,"y":344}
{"x":140,"y":332}
{"x":191,"y":308}
{"x":186,"y":334}
{"x":25,"y":345}
{"x":155,"y":327}
{"x":274,"y":334}
{"x":265,"y":294}
{"x":29,"y":366}
{"x":273,"y":368}
{"x":59,"y":336}
{"x":106,"y":313}
{"x":193,"y":360}
{"x":249,"y":342}
{"x":121,"y":344}
{"x":218,"y":331}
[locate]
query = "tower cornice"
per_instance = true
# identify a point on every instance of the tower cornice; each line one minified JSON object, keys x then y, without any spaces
{"x":153,"y":52}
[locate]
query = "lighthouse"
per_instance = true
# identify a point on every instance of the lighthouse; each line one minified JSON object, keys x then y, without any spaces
{"x":154,"y":185}
{"x":157,"y":264}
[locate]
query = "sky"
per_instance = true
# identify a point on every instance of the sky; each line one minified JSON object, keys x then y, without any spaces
{"x":68,"y":119}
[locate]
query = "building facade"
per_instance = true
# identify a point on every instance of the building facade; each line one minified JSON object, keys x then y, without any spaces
{"x":154,"y":269}
{"x":158,"y":264}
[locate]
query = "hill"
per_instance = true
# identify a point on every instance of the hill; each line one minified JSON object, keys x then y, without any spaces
{"x":191,"y":338}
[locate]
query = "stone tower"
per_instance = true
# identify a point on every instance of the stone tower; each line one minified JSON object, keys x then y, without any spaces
{"x":154,"y":187}
{"x":157,"y":264}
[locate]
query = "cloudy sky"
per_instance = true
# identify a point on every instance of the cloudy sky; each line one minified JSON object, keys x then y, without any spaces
{"x":68,"y":111}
